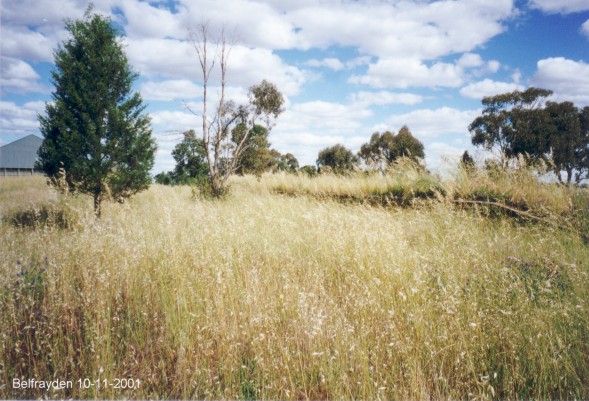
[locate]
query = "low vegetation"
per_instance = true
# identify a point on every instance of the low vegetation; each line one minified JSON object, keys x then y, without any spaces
{"x":263,"y":295}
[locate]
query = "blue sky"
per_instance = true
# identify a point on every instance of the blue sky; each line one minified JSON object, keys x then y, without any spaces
{"x":346,"y":68}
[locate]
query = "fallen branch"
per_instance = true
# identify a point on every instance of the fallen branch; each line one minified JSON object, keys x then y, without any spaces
{"x":503,"y":206}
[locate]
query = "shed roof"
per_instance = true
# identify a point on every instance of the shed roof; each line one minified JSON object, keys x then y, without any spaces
{"x":21,"y":153}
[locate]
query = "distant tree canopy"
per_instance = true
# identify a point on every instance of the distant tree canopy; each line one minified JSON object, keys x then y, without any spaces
{"x":96,"y":136}
{"x":467,"y":162}
{"x":509,"y":123}
{"x":337,"y":158}
{"x":286,"y":162}
{"x":257,"y":157}
{"x":190,"y":159}
{"x":524,"y":123}
{"x":406,"y":145}
{"x":567,"y":143}
{"x":383,"y":149}
{"x":311,"y":171}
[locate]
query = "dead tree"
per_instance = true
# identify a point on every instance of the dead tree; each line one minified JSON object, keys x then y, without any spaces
{"x":222,"y":154}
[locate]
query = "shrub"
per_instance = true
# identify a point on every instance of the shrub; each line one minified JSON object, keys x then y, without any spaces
{"x":44,"y":216}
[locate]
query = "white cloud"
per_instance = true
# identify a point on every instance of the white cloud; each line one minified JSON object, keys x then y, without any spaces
{"x":20,"y":42}
{"x":404,"y":73}
{"x":567,"y":78}
{"x":307,"y":145}
{"x":178,"y":60}
{"x":488,"y":87}
{"x":429,"y":123}
{"x":18,"y":120}
{"x":306,"y":128}
{"x":358,"y":62}
{"x":269,"y":27}
{"x":174,"y":121}
{"x":493,"y":66}
{"x":44,"y":13}
{"x":560,"y":6}
{"x":442,"y":158}
{"x":382,"y":98}
{"x":162,"y":57}
{"x":470,"y":60}
{"x":323,"y":117}
{"x":145,"y":21}
{"x":402,"y":29}
{"x":250,"y":66}
{"x":170,"y":90}
{"x":585,"y":28}
{"x":16,"y":76}
{"x":31,"y":29}
{"x":331,"y":63}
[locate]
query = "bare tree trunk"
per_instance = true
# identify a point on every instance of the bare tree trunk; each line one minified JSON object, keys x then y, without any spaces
{"x":97,"y":204}
{"x":213,"y":132}
{"x":569,"y":171}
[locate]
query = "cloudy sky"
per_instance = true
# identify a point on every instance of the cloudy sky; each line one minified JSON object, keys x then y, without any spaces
{"x":346,"y":67}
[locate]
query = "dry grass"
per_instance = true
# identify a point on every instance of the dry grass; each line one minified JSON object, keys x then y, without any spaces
{"x":265,"y":296}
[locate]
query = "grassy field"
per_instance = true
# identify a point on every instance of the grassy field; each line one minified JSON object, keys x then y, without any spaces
{"x":381,"y":287}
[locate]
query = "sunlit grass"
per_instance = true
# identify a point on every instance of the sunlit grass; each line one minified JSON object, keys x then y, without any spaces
{"x":266,"y":296}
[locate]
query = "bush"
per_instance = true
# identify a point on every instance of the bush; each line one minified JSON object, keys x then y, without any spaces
{"x":44,"y":216}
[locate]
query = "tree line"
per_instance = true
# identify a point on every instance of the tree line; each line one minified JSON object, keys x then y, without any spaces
{"x":258,"y":157}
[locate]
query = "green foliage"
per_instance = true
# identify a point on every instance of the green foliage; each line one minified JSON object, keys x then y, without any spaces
{"x":557,"y":133}
{"x":94,"y":129}
{"x":383,"y":149}
{"x":509,"y":122}
{"x":378,"y":152}
{"x":337,"y":158}
{"x":190,"y":159}
{"x":311,"y":171}
{"x":267,"y":102}
{"x":566,"y":142}
{"x":256,"y":156}
{"x":287,"y":162}
{"x":165,"y":178}
{"x":204,"y":190}
{"x":406,"y":145}
{"x":467,"y":163}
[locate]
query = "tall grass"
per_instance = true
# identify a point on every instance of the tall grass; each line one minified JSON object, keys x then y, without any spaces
{"x":265,"y":296}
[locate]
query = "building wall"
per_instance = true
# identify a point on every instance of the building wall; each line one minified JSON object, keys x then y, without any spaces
{"x":19,"y":156}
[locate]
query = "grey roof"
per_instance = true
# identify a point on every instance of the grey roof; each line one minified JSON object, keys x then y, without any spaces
{"x":21,"y":153}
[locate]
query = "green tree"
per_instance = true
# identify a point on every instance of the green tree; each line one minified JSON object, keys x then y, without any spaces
{"x":287,"y":162}
{"x":95,"y":133}
{"x":383,"y":149}
{"x":311,"y":171}
{"x":256,"y":157}
{"x":190,"y":159}
{"x":337,"y":158}
{"x":378,"y":152}
{"x":467,"y":162}
{"x":567,"y":144}
{"x":406,"y":145}
{"x":511,"y":123}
